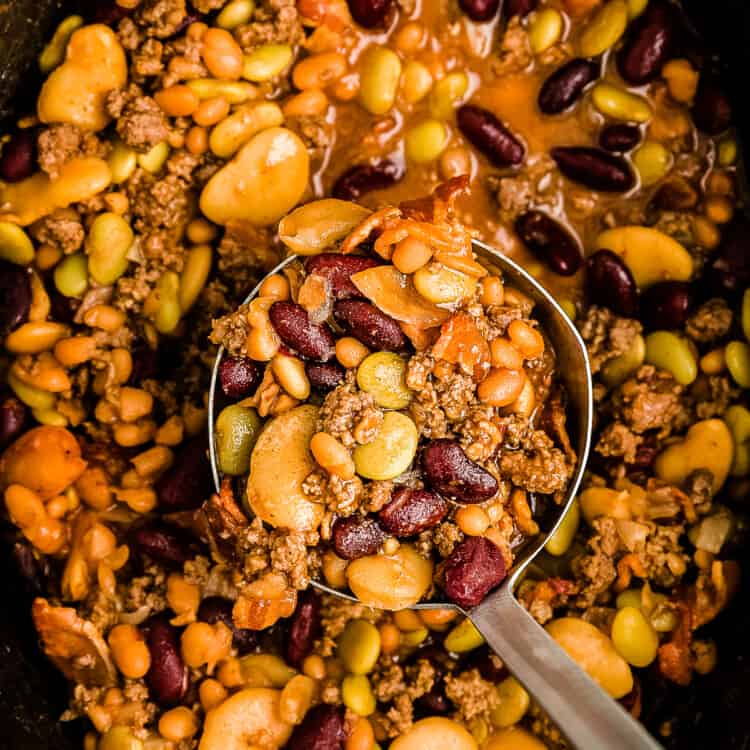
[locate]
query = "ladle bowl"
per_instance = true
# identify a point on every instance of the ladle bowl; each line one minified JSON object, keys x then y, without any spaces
{"x":585,"y":714}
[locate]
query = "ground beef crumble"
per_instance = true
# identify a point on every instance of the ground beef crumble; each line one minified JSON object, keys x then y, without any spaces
{"x":61,"y":229}
{"x":473,"y":696}
{"x":606,"y":335}
{"x":711,"y":321}
{"x":141,"y":123}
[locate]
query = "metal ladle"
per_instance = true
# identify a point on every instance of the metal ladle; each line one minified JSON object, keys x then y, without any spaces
{"x":586,"y":715}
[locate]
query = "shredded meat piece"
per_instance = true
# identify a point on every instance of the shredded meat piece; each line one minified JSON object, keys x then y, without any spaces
{"x":713,"y":395}
{"x":445,"y":537}
{"x":538,"y":466}
{"x":606,"y":335}
{"x":651,"y":400}
{"x":711,"y":321}
{"x":161,"y":18}
{"x":73,"y":644}
{"x":514,"y":54}
{"x":480,"y":434}
{"x":595,"y":570}
{"x":141,"y":123}
{"x":473,"y":696}
{"x":275,"y":21}
{"x":61,"y":229}
{"x":617,"y":440}
{"x":232,"y":330}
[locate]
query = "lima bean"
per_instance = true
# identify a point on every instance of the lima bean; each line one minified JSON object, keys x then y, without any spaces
{"x":673,"y":354}
{"x":71,"y":275}
{"x":652,"y":161}
{"x":633,"y":637}
{"x":737,"y":357}
{"x":604,"y":29}
{"x":15,"y":245}
{"x":426,"y":141}
{"x":108,"y":242}
{"x":379,"y":76}
{"x":359,"y":646}
{"x":619,"y":104}
{"x":237,"y":429}
{"x":392,"y":450}
{"x":559,"y":543}
{"x":383,"y":376}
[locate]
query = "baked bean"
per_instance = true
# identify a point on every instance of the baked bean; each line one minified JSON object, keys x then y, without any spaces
{"x":472,"y":520}
{"x":178,"y":724}
{"x":211,"y":111}
{"x":24,"y":506}
{"x":332,"y":455}
{"x":309,"y":103}
{"x":410,"y":37}
{"x":411,"y":254}
{"x":526,"y":339}
{"x":129,"y":650}
{"x":75,"y":350}
{"x":504,"y":354}
{"x":319,"y":71}
{"x":211,"y":693}
{"x":361,"y":737}
{"x":501,"y":387}
{"x":178,"y":100}
{"x":196,"y":140}
{"x":221,"y":54}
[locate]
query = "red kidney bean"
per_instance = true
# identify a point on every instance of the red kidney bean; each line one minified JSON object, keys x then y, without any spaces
{"x":369,"y":325}
{"x":449,"y":471}
{"x":648,"y":44}
{"x":324,"y":376}
{"x":564,"y":87}
{"x":645,"y":453}
{"x":595,"y":168}
{"x":712,"y":110}
{"x":490,"y":136}
{"x":13,"y":415}
{"x":666,"y":305}
{"x":338,"y":269}
{"x":410,"y":511}
{"x":550,"y":242}
{"x":15,"y":297}
{"x":675,"y":194}
{"x":167,"y":545}
{"x":187,"y":483}
{"x":480,"y":10}
{"x":215,"y":609}
{"x":473,"y":569}
{"x":609,"y":283}
{"x":321,"y":729}
{"x":304,"y":628}
{"x":620,"y":138}
{"x":370,"y":13}
{"x":167,"y":678}
{"x":364,"y":178}
{"x":518,"y":7}
{"x":729,"y":268}
{"x":310,"y":340}
{"x":239,"y":376}
{"x":18,"y":157}
{"x":356,"y":536}
{"x":482,"y":659}
{"x":434,"y":703}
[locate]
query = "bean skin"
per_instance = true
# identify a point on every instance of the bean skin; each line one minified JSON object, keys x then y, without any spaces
{"x":322,"y":729}
{"x":294,"y":327}
{"x":474,"y":567}
{"x":648,"y":44}
{"x":411,"y":511}
{"x":304,"y":628}
{"x":712,"y":110}
{"x":518,"y":8}
{"x":338,"y":269}
{"x":15,"y":297}
{"x":167,"y":679}
{"x":620,"y":138}
{"x":369,"y":325}
{"x":490,"y":136}
{"x":370,"y":13}
{"x":356,"y":536}
{"x":239,"y":376}
{"x":451,"y":473}
{"x":666,"y":305}
{"x":18,"y":157}
{"x":480,"y":11}
{"x":565,"y":86}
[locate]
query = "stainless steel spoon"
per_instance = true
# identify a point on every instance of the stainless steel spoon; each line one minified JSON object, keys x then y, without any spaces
{"x":585,"y":714}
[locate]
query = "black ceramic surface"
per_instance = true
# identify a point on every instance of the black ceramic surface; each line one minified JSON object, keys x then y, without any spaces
{"x":712,"y":713}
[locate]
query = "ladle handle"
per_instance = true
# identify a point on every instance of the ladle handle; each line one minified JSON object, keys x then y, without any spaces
{"x":588,"y":717}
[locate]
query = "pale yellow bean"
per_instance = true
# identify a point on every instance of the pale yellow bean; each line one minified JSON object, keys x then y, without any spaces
{"x":237,"y":129}
{"x":15,"y":245}
{"x":380,"y":72}
{"x":194,"y":275}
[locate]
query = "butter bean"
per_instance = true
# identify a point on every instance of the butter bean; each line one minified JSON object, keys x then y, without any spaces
{"x":266,"y":62}
{"x":15,"y":245}
{"x":390,"y":581}
{"x":416,"y":81}
{"x":594,"y":653}
{"x":425,"y":142}
{"x":603,"y":501}
{"x":442,"y":285}
{"x":673,"y":354}
{"x":36,"y":196}
{"x":619,"y":104}
{"x":108,"y":242}
{"x":237,"y":430}
{"x":604,"y":29}
{"x":464,"y":637}
{"x":447,"y":94}
{"x":237,"y":129}
{"x":707,"y":445}
{"x":737,"y":357}
{"x":194,"y":275}
{"x":559,"y":543}
{"x":652,"y":161}
{"x":154,"y":159}
{"x":274,"y":164}
{"x":32,"y":338}
{"x":513,"y":703}
{"x":54,"y":52}
{"x":435,"y":732}
{"x":379,"y":76}
{"x":75,"y":92}
{"x":633,"y":637}
{"x":235,"y":13}
{"x":392,"y":450}
{"x":357,"y":695}
{"x":235,"y":92}
{"x":545,"y":30}
{"x":383,"y":376}
{"x":359,"y":647}
{"x":35,"y":398}
{"x":650,"y":255}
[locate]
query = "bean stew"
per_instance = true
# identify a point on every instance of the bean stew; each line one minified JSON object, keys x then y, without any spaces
{"x":390,"y":421}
